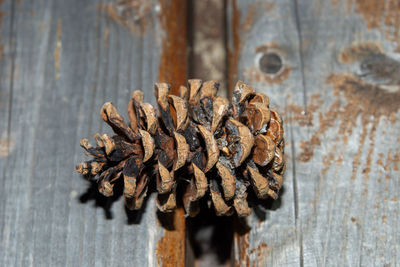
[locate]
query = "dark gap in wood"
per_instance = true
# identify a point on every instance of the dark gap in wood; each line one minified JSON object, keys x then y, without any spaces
{"x":207,"y":54}
{"x":189,"y":251}
{"x":190,"y":38}
{"x":209,"y":239}
{"x":226,"y":40}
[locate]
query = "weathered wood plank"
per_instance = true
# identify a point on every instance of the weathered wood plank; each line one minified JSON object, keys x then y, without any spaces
{"x":339,"y":93}
{"x":255,"y":25}
{"x":62,"y":61}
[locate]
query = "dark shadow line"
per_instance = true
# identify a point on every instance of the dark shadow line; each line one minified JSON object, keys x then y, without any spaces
{"x":93,"y":89}
{"x":295,"y":190}
{"x":300,"y":51}
{"x":190,"y":38}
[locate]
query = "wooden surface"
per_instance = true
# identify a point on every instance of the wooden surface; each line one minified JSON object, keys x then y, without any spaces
{"x":338,"y":91}
{"x":339,"y":94}
{"x":60,"y":61}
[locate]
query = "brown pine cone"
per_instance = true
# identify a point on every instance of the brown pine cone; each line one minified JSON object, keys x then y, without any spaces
{"x":198,"y":146}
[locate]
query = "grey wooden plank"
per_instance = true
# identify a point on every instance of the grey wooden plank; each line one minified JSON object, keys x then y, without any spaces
{"x":69,"y":59}
{"x":6,"y":48}
{"x":258,"y":24}
{"x":343,"y":146}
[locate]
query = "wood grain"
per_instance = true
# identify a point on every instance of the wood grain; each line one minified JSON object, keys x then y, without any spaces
{"x":60,"y":61}
{"x":339,"y":94}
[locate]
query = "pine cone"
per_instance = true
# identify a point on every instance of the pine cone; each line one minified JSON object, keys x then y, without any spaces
{"x":198,"y":143}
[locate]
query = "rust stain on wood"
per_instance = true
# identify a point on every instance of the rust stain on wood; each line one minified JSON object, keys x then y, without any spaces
{"x":359,"y":51}
{"x":173,"y":61}
{"x":371,"y":148}
{"x":6,"y":146}
{"x":383,"y":15}
{"x":260,"y":252}
{"x":326,"y":121}
{"x":242,"y":256}
{"x":255,"y":11}
{"x":254,"y":74}
{"x":133,"y":15}
{"x":170,"y":249}
{"x":392,"y":162}
{"x":57,"y":50}
{"x":239,"y":32}
{"x":106,"y":36}
{"x":295,"y":113}
{"x":373,"y":63}
{"x":251,"y":14}
{"x":364,"y":98}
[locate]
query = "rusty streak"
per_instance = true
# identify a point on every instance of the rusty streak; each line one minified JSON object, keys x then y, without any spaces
{"x":242,"y":254}
{"x":172,"y":69}
{"x":173,"y":61}
{"x":57,"y":50}
{"x":6,"y":146}
{"x":170,"y":249}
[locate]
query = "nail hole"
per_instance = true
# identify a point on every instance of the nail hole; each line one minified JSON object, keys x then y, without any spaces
{"x":270,"y":63}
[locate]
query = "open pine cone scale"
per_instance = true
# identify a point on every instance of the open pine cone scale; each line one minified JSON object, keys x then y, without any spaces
{"x":199,"y":144}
